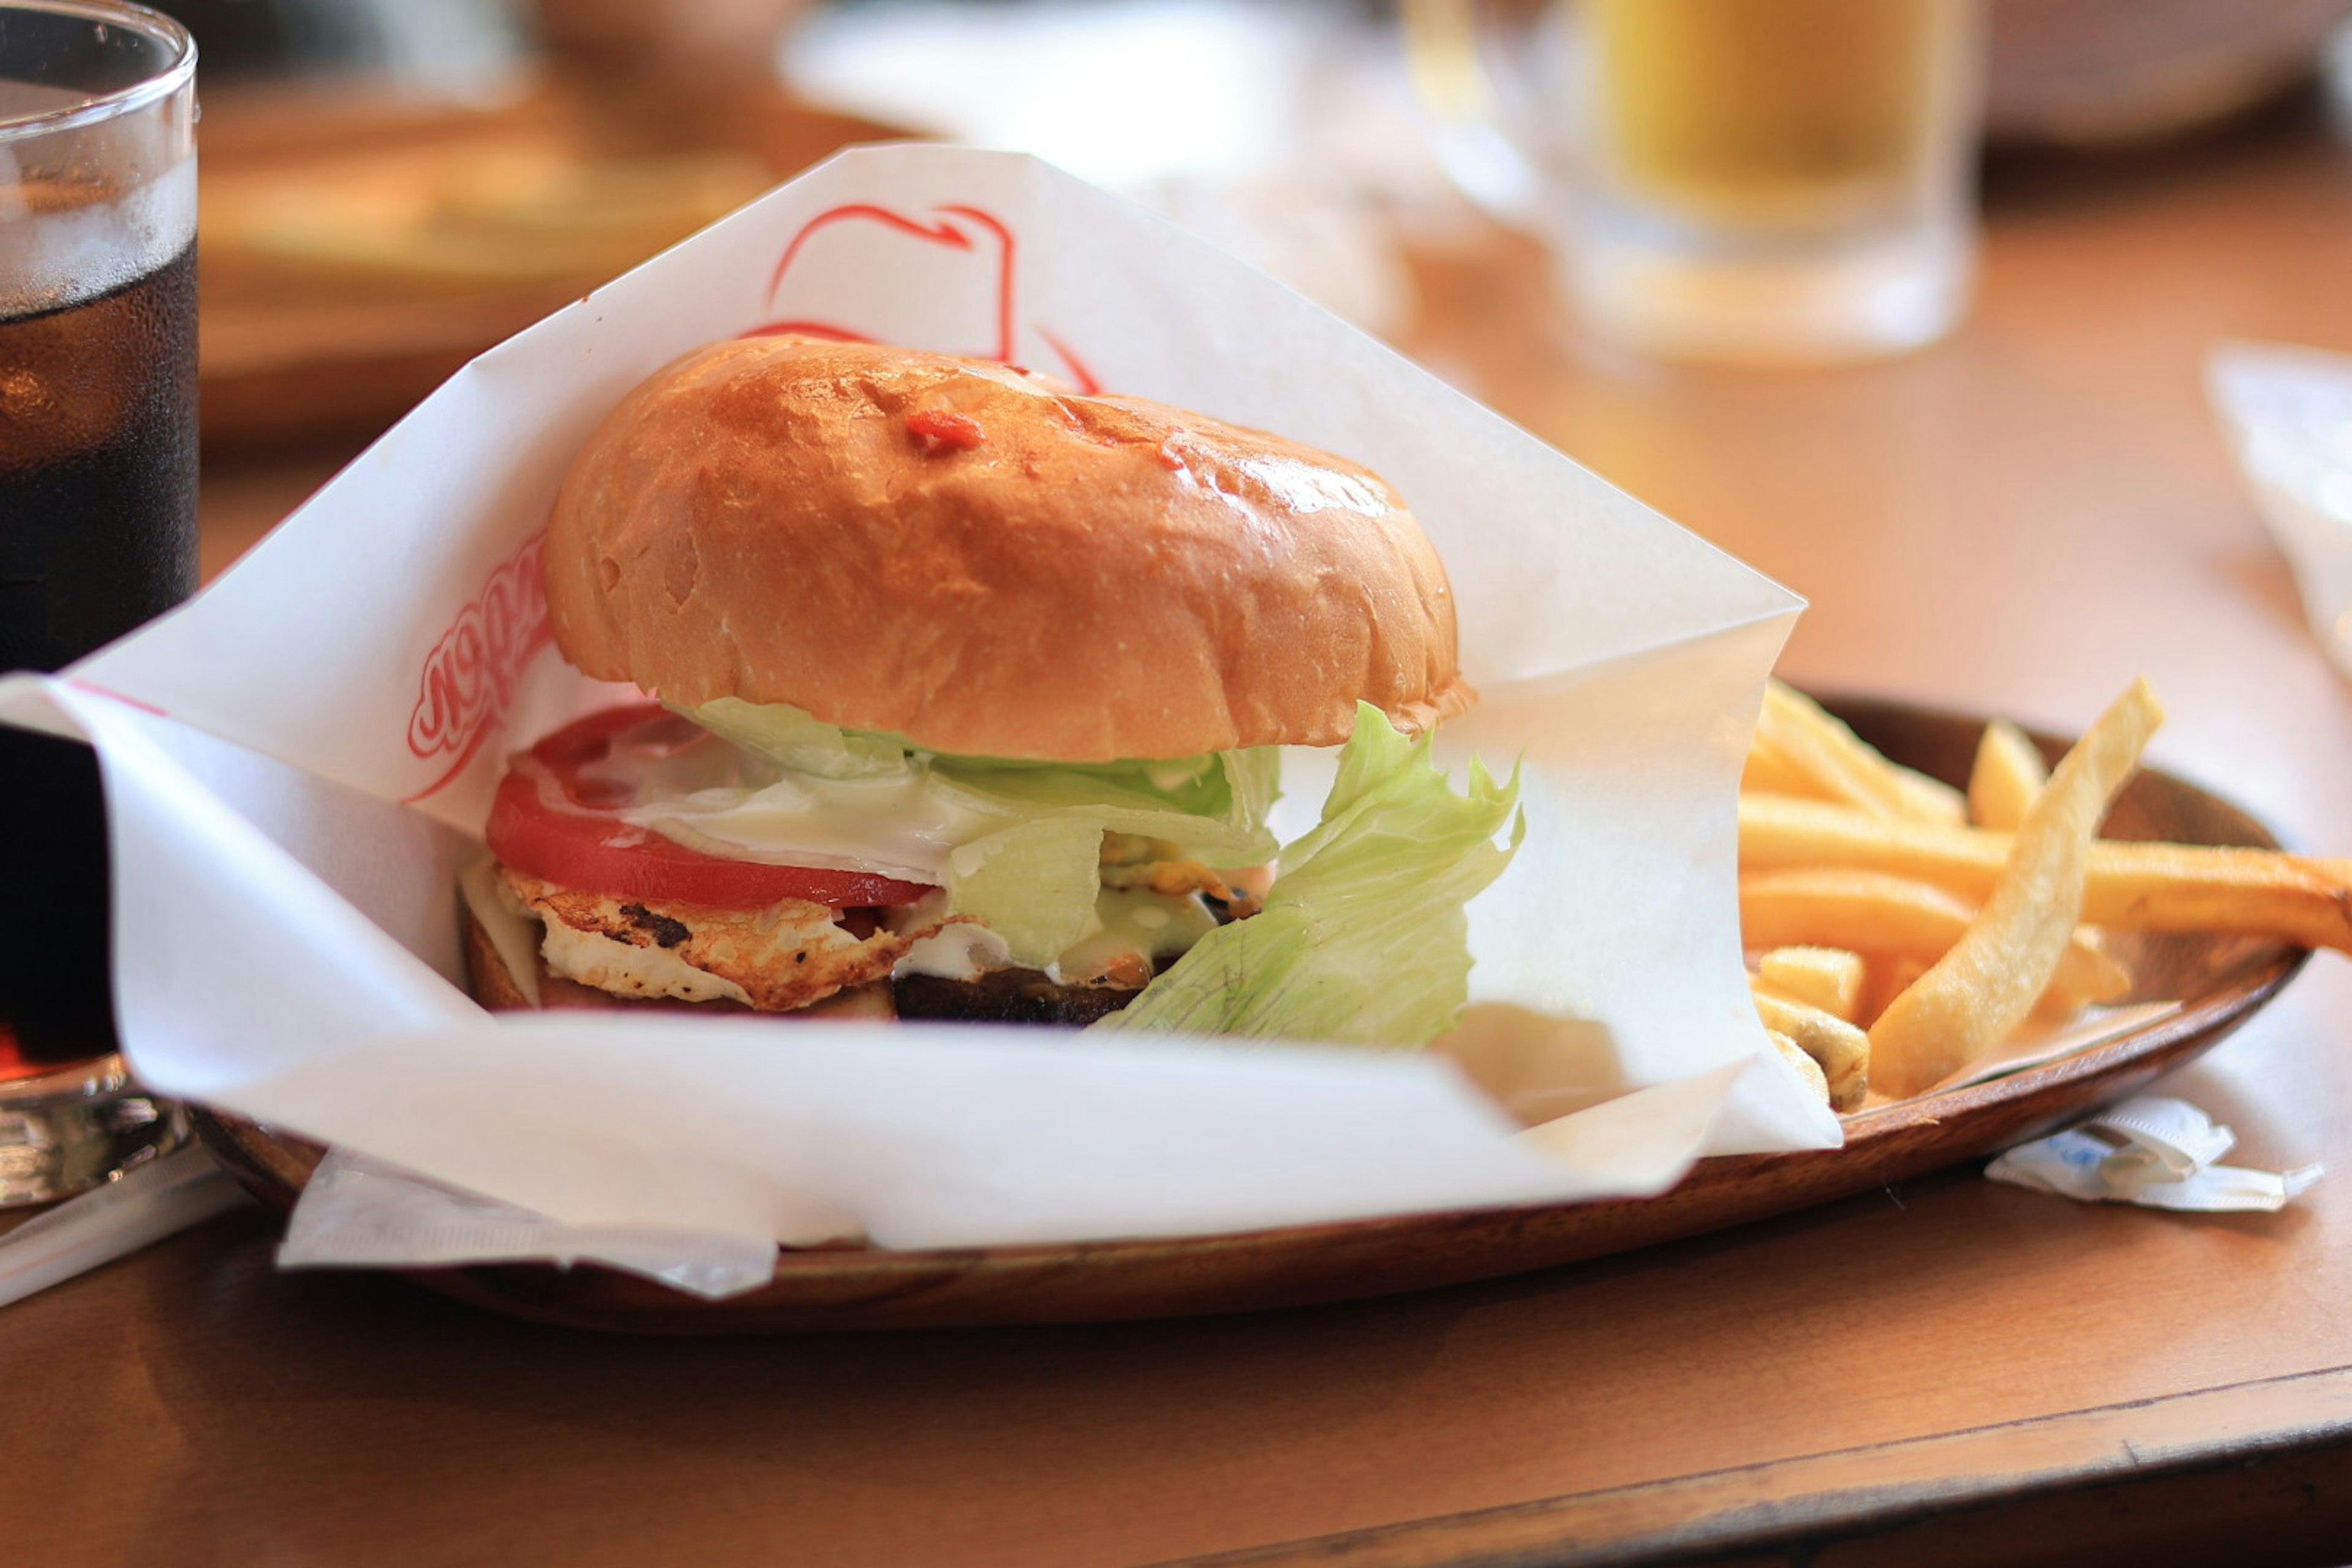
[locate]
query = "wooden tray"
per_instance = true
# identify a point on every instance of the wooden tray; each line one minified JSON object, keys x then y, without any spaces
{"x":2220,"y":980}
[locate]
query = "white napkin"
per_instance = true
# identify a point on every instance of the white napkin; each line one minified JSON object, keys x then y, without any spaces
{"x":2288,"y":414}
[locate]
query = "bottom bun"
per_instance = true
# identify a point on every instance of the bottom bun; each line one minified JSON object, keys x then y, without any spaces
{"x":487,"y":974}
{"x":999,"y":996}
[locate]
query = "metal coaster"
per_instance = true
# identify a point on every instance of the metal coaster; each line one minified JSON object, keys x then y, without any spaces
{"x":81,"y":1125}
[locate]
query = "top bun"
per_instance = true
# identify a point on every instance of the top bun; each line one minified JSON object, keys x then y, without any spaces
{"x":982,"y":561}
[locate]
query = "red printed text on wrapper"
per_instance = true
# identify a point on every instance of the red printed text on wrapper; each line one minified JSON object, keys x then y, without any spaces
{"x":468,"y":680}
{"x":987,"y":238}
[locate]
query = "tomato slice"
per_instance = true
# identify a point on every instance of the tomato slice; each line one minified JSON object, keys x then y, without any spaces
{"x":555,"y":817}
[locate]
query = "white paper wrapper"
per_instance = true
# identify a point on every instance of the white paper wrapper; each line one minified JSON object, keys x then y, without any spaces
{"x":357,"y":1211}
{"x":296,"y":762}
{"x":2288,"y":414}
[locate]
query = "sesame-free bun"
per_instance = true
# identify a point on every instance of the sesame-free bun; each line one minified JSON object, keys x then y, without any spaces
{"x":986,"y":562}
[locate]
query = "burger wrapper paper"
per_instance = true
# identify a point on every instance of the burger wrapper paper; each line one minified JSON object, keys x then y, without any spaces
{"x":299,"y":762}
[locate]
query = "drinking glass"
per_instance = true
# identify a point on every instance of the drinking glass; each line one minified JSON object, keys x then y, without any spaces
{"x":98,"y":490}
{"x":1775,"y":180}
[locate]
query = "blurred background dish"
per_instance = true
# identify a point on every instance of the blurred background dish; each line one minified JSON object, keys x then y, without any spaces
{"x":357,"y":252}
{"x":2099,"y":72}
{"x":390,"y":188}
{"x":701,"y":37}
{"x":456,"y":50}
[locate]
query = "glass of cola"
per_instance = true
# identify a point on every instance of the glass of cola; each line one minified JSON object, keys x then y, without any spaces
{"x":98,"y":519}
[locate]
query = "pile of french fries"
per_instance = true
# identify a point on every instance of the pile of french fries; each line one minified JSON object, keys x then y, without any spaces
{"x":1901,"y":929}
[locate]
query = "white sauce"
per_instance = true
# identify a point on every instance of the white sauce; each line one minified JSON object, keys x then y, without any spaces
{"x":1137,"y":925}
{"x":958,"y":951}
{"x":896,"y":825}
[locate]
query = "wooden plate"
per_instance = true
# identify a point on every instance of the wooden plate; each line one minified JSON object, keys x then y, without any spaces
{"x":2221,"y":979}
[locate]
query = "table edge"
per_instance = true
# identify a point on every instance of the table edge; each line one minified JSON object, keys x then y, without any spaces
{"x":2037,"y":1462}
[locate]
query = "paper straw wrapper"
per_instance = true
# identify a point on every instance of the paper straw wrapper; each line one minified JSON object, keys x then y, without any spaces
{"x":299,"y":762}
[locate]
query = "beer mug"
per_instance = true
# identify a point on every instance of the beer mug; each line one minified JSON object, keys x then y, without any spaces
{"x":1765,"y":181}
{"x":98,"y":522}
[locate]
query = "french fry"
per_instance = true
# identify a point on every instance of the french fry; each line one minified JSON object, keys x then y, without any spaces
{"x":1880,"y":913}
{"x":2132,"y":886}
{"x":2008,"y":773}
{"x":1829,"y":978}
{"x":1769,"y":770}
{"x":2004,"y":780}
{"x":1803,"y":1065}
{"x":1839,"y":767}
{"x":1987,"y":984}
{"x":1841,"y":1051}
{"x":2089,"y":974}
{"x":2066,"y":998}
{"x":1887,"y":978}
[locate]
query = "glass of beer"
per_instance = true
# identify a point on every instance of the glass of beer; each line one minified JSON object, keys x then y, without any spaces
{"x":1769,"y":181}
{"x":98,"y":522}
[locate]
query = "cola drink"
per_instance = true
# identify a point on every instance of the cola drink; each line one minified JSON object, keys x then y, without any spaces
{"x":98,"y":446}
{"x":98,"y":442}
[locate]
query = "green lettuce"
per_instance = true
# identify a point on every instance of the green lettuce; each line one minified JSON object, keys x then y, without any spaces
{"x":1025,"y":881}
{"x":797,"y":741}
{"x":1363,"y":938}
{"x":1034,"y":885}
{"x":1213,"y":806}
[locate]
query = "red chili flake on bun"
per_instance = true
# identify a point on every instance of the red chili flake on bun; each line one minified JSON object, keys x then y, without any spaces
{"x":935,"y":428}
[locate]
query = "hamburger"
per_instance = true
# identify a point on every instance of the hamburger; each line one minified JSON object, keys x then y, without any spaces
{"x":963,"y":697}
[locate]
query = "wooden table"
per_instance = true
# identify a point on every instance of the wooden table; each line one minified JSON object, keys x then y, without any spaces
{"x":2019,"y":520}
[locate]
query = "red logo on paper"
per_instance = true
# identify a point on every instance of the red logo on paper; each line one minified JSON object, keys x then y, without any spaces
{"x":955,"y":228}
{"x":468,"y":681}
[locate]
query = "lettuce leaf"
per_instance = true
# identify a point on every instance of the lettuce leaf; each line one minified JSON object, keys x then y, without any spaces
{"x":1034,"y":885}
{"x":797,"y":741}
{"x":1213,"y":806}
{"x":1363,"y":938}
{"x":1021,"y":879}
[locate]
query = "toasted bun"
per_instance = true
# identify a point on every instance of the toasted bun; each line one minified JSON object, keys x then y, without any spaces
{"x":970,"y":556}
{"x":487,"y":974}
